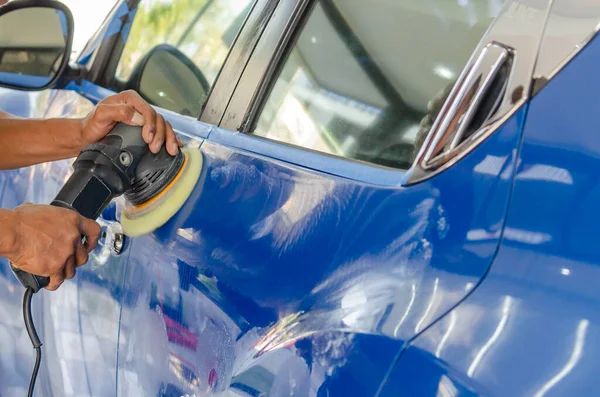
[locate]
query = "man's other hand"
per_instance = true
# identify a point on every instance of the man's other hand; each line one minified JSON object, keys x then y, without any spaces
{"x":48,"y":241}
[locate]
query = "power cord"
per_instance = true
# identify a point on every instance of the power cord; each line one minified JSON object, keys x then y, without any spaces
{"x":35,"y":340}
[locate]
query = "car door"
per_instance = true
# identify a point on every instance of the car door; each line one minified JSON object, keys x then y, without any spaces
{"x":355,"y":192}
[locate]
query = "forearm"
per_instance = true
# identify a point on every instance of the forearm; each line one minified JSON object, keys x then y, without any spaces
{"x":8,"y":233}
{"x":26,"y":142}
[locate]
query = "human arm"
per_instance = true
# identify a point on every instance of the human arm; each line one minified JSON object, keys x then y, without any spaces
{"x":46,"y":240}
{"x":26,"y":142}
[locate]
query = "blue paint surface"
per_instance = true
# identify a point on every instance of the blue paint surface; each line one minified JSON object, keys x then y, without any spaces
{"x":273,"y":278}
{"x":24,"y":80}
{"x":355,"y":170}
{"x":90,"y":91}
{"x":532,"y":327}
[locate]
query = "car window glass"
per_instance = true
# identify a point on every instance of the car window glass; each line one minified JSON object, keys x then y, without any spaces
{"x":88,"y":16}
{"x":203,"y":30}
{"x":365,"y":78}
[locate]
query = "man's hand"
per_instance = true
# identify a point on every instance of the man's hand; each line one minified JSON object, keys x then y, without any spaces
{"x":130,"y":108}
{"x":47,"y":241}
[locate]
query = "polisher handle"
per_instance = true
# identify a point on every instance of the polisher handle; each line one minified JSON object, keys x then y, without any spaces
{"x":29,"y":280}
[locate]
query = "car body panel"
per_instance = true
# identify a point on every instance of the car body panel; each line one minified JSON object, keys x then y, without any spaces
{"x":531,"y":328}
{"x":265,"y":253}
{"x":341,"y":241}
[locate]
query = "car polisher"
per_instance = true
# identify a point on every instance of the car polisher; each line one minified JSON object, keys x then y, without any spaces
{"x":155,"y":187}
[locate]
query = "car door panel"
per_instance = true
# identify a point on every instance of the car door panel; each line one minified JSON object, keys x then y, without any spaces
{"x":266,"y":254}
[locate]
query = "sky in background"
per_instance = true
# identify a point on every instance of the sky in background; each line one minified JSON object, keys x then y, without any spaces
{"x":88,"y":16}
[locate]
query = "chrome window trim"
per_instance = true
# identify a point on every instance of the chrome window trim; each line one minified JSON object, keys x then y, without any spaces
{"x":519,"y":27}
{"x":559,"y":46}
{"x":451,"y":126}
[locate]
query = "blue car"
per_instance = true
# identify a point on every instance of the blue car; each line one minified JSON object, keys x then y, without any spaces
{"x":398,"y":198}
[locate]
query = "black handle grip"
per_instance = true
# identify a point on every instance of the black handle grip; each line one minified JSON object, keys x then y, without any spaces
{"x":29,"y":280}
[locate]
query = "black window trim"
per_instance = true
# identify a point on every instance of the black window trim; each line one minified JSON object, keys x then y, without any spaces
{"x":239,"y":55}
{"x":261,"y":69}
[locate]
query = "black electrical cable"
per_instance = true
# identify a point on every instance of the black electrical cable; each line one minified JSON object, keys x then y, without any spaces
{"x":35,"y":340}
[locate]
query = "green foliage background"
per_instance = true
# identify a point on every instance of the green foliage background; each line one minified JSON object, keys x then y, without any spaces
{"x":155,"y":23}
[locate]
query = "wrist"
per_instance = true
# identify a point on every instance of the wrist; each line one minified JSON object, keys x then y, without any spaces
{"x":67,"y":134}
{"x":8,"y":233}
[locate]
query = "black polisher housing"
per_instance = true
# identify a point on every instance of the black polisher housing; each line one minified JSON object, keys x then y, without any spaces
{"x":152,"y":174}
{"x":121,"y":163}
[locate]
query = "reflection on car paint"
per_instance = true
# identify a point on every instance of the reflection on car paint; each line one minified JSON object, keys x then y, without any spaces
{"x":272,"y":280}
{"x":288,"y":280}
{"x":531,"y":328}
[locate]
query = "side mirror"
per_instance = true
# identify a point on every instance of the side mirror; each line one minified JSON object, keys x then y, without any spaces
{"x":35,"y":43}
{"x":167,"y":78}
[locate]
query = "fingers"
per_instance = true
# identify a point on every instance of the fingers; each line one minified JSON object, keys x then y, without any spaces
{"x":68,"y":272}
{"x":70,"y":265}
{"x":134,"y":99}
{"x":91,"y":231}
{"x":171,"y":139}
{"x":149,"y":133}
{"x":69,"y":269}
{"x":160,"y":134}
{"x":124,"y":113}
{"x":81,"y":257}
{"x":55,"y":281}
{"x":165,"y":133}
{"x":156,"y":130}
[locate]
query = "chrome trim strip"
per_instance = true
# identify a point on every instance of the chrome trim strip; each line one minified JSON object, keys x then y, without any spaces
{"x":571,"y":25}
{"x":486,"y":72}
{"x":453,"y":121}
{"x":519,"y":27}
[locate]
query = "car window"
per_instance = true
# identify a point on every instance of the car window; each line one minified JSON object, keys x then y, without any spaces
{"x":365,"y":78}
{"x":201,"y":30}
{"x":88,"y":16}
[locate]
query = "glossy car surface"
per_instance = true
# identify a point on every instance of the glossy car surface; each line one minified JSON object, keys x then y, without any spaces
{"x":300,"y":271}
